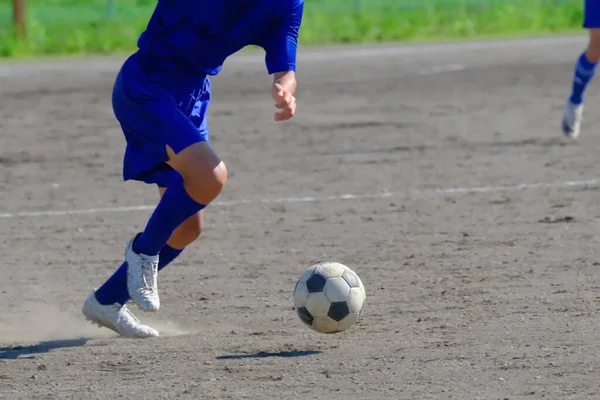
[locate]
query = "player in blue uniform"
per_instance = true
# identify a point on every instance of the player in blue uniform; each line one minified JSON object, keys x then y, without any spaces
{"x":160,"y":98}
{"x":584,"y":71}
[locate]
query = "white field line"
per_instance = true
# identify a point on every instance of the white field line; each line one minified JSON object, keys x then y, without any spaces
{"x":441,"y":69}
{"x":311,"y":199}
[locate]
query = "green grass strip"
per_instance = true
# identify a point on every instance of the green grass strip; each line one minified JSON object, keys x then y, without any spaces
{"x":91,"y":27}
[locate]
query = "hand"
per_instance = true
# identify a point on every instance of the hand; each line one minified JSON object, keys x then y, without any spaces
{"x":285,"y":101}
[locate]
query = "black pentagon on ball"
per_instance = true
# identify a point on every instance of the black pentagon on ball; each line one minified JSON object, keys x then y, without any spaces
{"x":316,"y":283}
{"x":305,"y":315}
{"x":351,"y":278}
{"x":338,"y":311}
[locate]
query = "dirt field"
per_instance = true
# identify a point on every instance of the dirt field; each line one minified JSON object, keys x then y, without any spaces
{"x":472,"y":224}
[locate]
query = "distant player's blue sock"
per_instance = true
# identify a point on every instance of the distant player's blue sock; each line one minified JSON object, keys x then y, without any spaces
{"x":584,"y":72}
{"x":174,"y":208}
{"x":115,"y":288}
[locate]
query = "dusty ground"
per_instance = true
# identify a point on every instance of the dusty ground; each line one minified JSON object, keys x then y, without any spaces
{"x":487,"y":292}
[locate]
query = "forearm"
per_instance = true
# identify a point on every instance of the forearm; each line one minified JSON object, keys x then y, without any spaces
{"x":287,"y":80}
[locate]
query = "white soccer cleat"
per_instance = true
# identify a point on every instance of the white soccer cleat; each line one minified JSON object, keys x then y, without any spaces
{"x":572,"y":117}
{"x":117,"y":318}
{"x":142,"y":275}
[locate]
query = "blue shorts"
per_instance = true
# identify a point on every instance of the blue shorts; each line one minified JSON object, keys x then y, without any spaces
{"x":158,"y":108}
{"x":591,"y":14}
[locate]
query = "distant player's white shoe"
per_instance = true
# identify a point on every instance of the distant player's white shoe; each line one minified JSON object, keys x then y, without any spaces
{"x":142,"y":275}
{"x":572,"y":117}
{"x":117,"y":318}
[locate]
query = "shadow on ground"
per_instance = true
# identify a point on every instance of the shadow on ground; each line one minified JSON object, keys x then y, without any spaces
{"x":18,"y":352}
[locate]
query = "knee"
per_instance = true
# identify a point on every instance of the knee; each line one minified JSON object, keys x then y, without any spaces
{"x":205,"y":185}
{"x":204,"y":174}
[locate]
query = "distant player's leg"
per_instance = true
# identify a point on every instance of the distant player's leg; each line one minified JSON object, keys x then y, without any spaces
{"x":584,"y":71}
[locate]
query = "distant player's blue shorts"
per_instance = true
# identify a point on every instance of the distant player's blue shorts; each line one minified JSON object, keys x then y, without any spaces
{"x":591,"y":14}
{"x":156,"y":108}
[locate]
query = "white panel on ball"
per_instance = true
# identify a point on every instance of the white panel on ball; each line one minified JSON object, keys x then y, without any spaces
{"x":336,"y":289}
{"x":355,"y":300}
{"x":364,"y":293}
{"x":300,"y":295}
{"x":325,"y":325}
{"x":330,"y":270}
{"x":317,"y":304}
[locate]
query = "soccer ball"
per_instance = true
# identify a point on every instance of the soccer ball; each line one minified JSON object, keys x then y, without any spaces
{"x":329,"y":297}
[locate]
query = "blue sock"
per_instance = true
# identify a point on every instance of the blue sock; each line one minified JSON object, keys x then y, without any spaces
{"x":115,"y":288}
{"x":174,"y":208}
{"x":584,"y":72}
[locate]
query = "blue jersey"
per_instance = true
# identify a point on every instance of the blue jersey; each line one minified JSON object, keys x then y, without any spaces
{"x":198,"y":35}
{"x":162,"y":92}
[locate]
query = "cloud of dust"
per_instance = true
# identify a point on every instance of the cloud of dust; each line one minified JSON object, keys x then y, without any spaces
{"x":38,"y":322}
{"x":166,"y":328}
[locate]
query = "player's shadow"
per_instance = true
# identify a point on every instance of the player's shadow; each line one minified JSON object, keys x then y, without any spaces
{"x":264,"y":354}
{"x":17,"y":352}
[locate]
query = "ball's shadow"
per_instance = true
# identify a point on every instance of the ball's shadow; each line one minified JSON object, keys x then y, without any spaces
{"x":25,"y":352}
{"x":264,"y":354}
